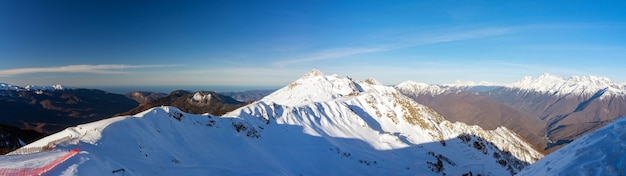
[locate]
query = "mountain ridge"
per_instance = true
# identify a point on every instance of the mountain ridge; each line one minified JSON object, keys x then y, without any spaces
{"x":193,"y":102}
{"x":342,"y":125}
{"x":568,"y":108}
{"x":557,"y":85}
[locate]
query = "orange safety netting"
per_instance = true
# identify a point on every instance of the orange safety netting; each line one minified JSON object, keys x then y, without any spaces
{"x":37,"y":171}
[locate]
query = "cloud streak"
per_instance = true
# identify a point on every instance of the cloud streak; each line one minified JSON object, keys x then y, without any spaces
{"x":330,"y":54}
{"x":460,"y":36}
{"x":403,"y":41}
{"x":93,"y":69}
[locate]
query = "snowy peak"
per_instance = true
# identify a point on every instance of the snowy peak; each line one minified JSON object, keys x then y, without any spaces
{"x":45,"y":88}
{"x":9,"y":87}
{"x":5,"y":86}
{"x":420,"y":88}
{"x":201,"y":97}
{"x":598,"y":153}
{"x":372,"y":81}
{"x":383,"y":118}
{"x":314,"y":86}
{"x":313,"y":73}
{"x":553,"y":84}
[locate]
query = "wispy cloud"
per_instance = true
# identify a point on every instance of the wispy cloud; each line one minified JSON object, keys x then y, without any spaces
{"x":93,"y":69}
{"x":330,"y":54}
{"x":460,"y":36}
{"x":403,"y":41}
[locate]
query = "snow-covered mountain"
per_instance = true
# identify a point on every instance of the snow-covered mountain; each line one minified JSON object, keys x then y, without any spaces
{"x":5,"y":86}
{"x":46,"y":88}
{"x":318,"y":125}
{"x":466,"y":104}
{"x":548,"y":110}
{"x":598,"y":153}
{"x":423,"y":88}
{"x":575,"y":85}
{"x":545,"y":83}
{"x":570,"y":107}
{"x":12,"y":88}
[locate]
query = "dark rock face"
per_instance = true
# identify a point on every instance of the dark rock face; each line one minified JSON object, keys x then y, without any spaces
{"x":197,"y":103}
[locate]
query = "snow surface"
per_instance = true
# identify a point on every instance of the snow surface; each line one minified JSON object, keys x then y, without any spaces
{"x":601,"y":152}
{"x":318,"y":125}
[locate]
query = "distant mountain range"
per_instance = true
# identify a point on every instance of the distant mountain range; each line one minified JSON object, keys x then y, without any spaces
{"x":549,"y":110}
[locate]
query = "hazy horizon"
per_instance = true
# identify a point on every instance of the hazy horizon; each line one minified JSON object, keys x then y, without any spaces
{"x":122,"y":89}
{"x":168,"y":89}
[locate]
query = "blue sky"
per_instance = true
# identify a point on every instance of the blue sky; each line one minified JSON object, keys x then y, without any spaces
{"x":98,"y":43}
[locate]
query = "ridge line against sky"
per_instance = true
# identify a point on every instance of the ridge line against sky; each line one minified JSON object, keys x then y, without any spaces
{"x":271,"y":43}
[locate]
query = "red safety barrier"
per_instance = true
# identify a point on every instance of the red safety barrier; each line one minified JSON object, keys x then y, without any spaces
{"x":37,"y":171}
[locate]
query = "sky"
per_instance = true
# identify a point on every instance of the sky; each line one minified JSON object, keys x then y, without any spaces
{"x":272,"y":43}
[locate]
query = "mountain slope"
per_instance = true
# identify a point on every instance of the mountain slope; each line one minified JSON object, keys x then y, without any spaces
{"x":462,"y":105}
{"x":598,"y":153}
{"x":390,"y":111}
{"x":549,"y":111}
{"x":570,"y":107}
